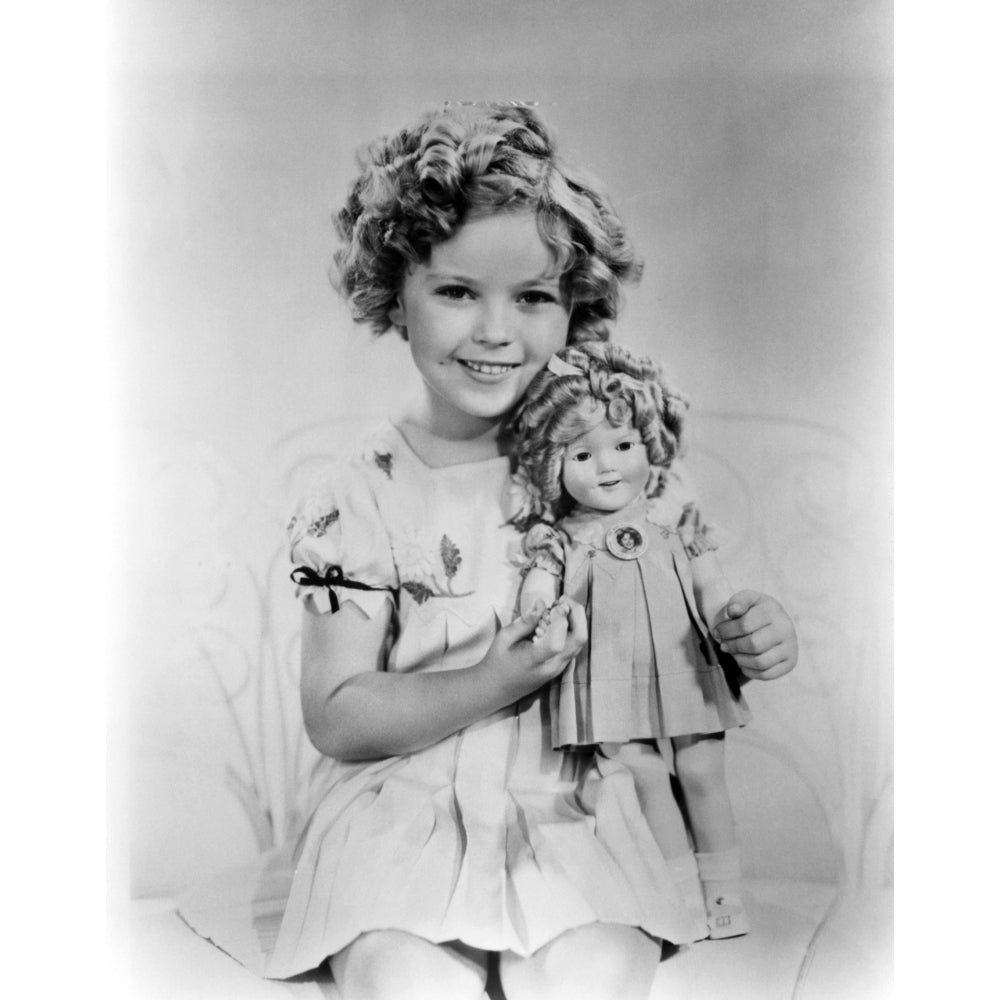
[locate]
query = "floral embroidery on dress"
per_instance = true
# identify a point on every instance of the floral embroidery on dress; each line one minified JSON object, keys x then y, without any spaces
{"x":318,"y":527}
{"x":418,"y":561}
{"x":420,"y":592}
{"x":450,"y":556}
{"x":383,"y":461}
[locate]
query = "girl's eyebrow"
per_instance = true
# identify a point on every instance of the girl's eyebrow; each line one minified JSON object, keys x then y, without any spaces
{"x":448,"y":276}
{"x":545,"y":278}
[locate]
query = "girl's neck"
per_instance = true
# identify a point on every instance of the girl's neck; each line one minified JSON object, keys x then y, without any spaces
{"x":439,"y":444}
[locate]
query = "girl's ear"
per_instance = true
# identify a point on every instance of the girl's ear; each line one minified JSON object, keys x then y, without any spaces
{"x":397,"y":315}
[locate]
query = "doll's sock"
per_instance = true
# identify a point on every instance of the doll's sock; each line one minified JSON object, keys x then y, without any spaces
{"x":684,"y":872}
{"x":720,"y":877}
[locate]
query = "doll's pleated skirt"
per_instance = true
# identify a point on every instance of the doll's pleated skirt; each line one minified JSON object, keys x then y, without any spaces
{"x":648,"y":670}
{"x":490,"y":837}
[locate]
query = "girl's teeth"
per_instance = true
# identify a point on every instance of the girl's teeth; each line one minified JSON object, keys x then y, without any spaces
{"x":485,"y":369}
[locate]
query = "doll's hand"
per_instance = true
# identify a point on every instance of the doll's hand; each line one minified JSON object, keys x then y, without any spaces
{"x":756,"y":630}
{"x":557,"y":616}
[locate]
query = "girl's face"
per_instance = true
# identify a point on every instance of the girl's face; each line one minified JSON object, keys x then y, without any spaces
{"x":482,"y":316}
{"x":606,"y":468}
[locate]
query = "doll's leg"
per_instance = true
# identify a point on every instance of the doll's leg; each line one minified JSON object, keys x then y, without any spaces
{"x":651,"y":776}
{"x":394,"y":965}
{"x":593,"y":962}
{"x":701,"y":770}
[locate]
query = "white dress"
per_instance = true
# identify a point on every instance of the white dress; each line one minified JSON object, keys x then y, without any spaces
{"x":490,"y":836}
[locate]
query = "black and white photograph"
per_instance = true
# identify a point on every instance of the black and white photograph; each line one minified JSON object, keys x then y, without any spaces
{"x":505,"y":408}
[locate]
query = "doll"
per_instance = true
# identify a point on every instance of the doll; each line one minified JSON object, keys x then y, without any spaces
{"x":614,"y":529}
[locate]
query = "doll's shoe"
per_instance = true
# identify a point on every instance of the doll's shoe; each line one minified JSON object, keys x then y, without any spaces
{"x":698,"y":913}
{"x":726,"y":917}
{"x":703,"y":931}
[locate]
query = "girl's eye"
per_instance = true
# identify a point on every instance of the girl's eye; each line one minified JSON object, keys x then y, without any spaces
{"x":580,"y":456}
{"x":537,"y":297}
{"x":453,"y":292}
{"x":626,"y":445}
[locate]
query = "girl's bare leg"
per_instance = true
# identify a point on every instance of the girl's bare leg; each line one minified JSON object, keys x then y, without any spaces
{"x":394,"y":965}
{"x":593,"y":962}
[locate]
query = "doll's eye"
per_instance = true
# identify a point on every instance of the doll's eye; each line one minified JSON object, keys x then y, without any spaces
{"x":580,"y":456}
{"x":627,"y":445}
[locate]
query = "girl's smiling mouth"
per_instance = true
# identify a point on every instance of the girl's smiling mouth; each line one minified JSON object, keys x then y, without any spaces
{"x":488,"y":367}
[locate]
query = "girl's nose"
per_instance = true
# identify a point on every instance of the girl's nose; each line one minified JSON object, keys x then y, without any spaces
{"x":492,"y":328}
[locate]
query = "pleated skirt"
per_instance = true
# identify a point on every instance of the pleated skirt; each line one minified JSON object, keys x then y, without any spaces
{"x":649,"y":669}
{"x":489,"y":837}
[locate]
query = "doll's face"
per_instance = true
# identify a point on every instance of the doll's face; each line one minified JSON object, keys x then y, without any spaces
{"x":607,"y":467}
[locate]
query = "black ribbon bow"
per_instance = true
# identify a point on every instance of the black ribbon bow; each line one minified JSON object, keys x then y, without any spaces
{"x":305,"y":576}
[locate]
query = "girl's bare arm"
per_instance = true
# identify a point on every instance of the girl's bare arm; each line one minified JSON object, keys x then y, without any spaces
{"x":354,"y":710}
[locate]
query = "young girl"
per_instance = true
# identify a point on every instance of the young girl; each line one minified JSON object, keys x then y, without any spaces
{"x":597,"y":434}
{"x":444,"y":826}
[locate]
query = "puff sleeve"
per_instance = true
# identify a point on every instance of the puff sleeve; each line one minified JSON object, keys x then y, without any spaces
{"x":677,"y":507}
{"x":544,"y":549}
{"x":339,"y":546}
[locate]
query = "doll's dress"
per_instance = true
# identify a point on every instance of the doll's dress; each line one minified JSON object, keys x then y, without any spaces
{"x":649,"y":669}
{"x":489,"y":836}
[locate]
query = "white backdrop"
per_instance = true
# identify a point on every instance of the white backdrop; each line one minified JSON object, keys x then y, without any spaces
{"x":748,"y":148}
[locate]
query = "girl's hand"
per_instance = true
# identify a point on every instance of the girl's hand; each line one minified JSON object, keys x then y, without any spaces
{"x":756,"y":630}
{"x":525,"y":661}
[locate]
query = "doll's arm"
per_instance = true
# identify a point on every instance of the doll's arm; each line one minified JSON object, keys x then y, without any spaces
{"x":753,"y":627}
{"x":539,"y":585}
{"x":546,"y":552}
{"x":711,"y":588}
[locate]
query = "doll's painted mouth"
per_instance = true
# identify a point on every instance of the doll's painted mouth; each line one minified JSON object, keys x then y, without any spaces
{"x":609,"y":483}
{"x":487,"y":368}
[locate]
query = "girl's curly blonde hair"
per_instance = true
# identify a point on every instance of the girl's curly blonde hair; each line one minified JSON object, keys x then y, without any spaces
{"x":558,"y":407}
{"x":418,"y":186}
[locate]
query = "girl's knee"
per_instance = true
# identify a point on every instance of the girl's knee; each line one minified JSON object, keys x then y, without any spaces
{"x":594,"y":962}
{"x":394,"y":965}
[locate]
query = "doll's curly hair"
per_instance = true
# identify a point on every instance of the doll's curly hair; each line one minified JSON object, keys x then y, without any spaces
{"x":418,"y":186}
{"x":555,"y":411}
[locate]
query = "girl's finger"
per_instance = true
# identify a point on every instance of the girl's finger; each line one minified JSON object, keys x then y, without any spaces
{"x":779,"y":669}
{"x":555,"y":638}
{"x":521,"y":628}
{"x":753,"y":644}
{"x":733,"y":628}
{"x":754,"y":665}
{"x":741,"y":602}
{"x":577,"y":622}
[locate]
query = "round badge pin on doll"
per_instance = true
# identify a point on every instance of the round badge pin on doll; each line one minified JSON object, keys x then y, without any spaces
{"x":626,"y":541}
